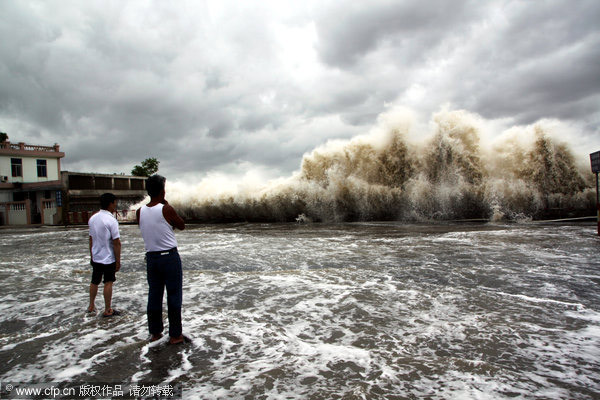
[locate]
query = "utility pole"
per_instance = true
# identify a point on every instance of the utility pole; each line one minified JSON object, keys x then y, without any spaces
{"x":595,"y":159}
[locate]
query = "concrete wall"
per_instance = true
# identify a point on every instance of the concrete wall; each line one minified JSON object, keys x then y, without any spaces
{"x":84,"y":191}
{"x":5,"y":167}
{"x":5,"y":197}
{"x":29,"y":169}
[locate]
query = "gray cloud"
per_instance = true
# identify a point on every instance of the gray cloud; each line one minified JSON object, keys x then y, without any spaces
{"x":350,"y":30}
{"x":538,"y":62}
{"x":207,"y":87}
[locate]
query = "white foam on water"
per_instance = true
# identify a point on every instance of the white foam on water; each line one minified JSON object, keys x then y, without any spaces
{"x":358,"y":311}
{"x":544,"y":300}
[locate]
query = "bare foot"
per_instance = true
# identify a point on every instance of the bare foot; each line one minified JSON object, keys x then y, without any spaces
{"x":176,"y":340}
{"x":111,"y":312}
{"x":154,"y":338}
{"x":91,"y":309}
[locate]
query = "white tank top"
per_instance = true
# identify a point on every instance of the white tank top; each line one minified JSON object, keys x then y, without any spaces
{"x":157,"y":232}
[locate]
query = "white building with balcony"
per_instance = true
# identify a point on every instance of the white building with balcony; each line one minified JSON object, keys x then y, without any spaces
{"x":30,"y":184}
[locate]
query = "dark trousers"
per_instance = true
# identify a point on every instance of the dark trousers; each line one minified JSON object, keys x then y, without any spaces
{"x":164,"y":270}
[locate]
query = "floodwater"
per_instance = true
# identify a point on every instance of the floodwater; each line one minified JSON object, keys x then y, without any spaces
{"x":319,"y":311}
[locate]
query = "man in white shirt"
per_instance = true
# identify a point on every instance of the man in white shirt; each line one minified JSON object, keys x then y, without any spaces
{"x":105,"y":251}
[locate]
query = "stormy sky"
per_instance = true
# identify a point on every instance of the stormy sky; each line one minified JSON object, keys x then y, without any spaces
{"x":231,"y":87}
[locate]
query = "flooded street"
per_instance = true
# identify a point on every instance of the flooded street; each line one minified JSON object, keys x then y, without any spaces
{"x":354,"y":311}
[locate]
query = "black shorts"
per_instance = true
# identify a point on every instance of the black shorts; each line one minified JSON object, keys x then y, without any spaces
{"x":108,"y":270}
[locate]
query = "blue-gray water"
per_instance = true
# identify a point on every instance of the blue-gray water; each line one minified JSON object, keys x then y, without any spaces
{"x":353,"y":311}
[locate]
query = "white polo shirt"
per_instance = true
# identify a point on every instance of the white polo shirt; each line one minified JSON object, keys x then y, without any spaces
{"x":104,"y":228}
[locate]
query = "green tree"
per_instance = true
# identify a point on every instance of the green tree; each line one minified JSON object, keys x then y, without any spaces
{"x":3,"y":137}
{"x":149,"y":167}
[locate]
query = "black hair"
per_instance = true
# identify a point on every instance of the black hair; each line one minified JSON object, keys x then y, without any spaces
{"x":155,"y":185}
{"x":106,"y":199}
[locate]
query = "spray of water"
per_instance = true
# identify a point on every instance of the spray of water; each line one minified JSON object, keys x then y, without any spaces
{"x":400,"y":172}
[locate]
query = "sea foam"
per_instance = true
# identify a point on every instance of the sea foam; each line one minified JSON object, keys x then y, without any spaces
{"x":454,"y":167}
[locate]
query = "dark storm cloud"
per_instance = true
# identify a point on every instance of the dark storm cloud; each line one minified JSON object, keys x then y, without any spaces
{"x":209,"y":86}
{"x":547,"y":87}
{"x":536,"y":62}
{"x":350,"y":30}
{"x":501,"y":59}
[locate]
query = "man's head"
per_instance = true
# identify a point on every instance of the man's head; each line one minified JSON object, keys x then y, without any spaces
{"x":155,"y":185}
{"x":106,"y":200}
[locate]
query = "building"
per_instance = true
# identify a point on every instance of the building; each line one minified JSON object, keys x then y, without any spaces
{"x":30,"y":184}
{"x":81,"y":192}
{"x":34,"y":190}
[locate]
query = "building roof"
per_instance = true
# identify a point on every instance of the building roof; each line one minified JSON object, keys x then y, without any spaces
{"x":95,"y":174}
{"x":27,"y":150}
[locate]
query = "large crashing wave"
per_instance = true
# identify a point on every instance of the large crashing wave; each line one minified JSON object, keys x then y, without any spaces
{"x":394,"y":173}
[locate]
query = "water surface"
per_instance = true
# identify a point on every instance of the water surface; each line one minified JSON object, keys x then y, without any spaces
{"x":354,"y":311}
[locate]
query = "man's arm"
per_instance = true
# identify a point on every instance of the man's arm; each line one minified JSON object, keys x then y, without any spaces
{"x":117,"y":249}
{"x":137,"y":216}
{"x":171,"y":216}
{"x":91,"y":259}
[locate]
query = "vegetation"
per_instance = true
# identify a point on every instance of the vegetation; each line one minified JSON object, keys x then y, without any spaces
{"x":3,"y":137}
{"x":149,"y":167}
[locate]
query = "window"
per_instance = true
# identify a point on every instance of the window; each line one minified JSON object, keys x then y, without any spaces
{"x":16,"y":166}
{"x":42,"y":170}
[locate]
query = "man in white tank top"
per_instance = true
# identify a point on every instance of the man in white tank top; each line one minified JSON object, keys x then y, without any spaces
{"x":157,"y":221}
